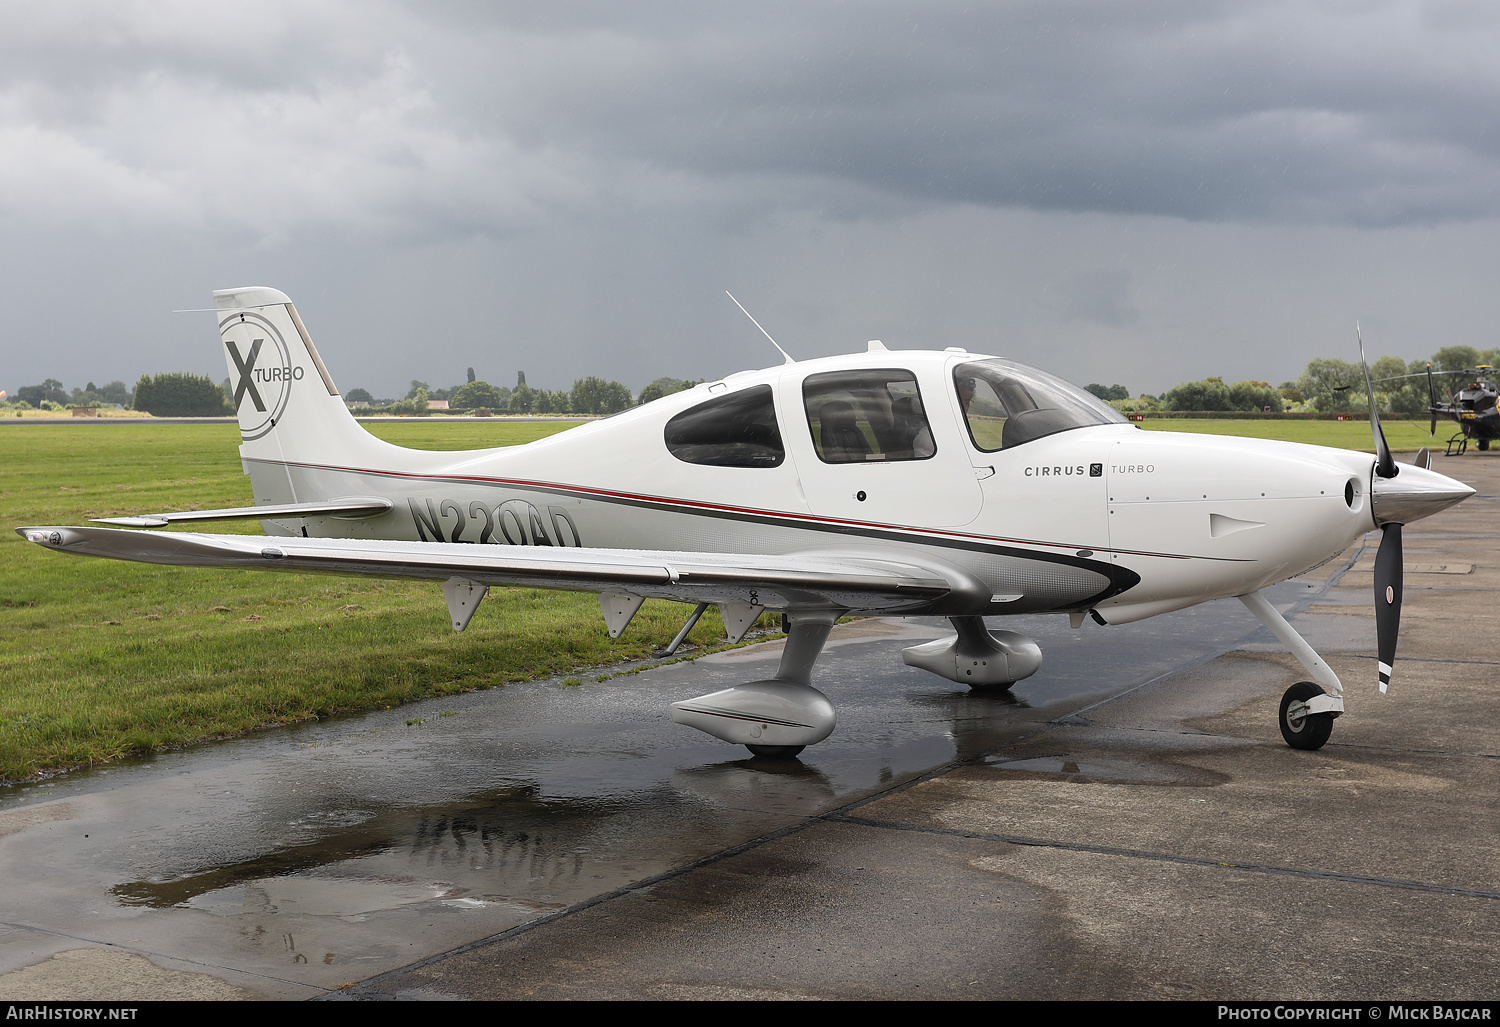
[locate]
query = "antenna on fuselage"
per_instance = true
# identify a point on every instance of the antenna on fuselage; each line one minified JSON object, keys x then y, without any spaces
{"x":756,"y":323}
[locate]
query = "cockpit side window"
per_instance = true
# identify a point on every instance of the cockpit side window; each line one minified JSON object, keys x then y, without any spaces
{"x":867,"y":415}
{"x":737,"y":430}
{"x":1007,"y":404}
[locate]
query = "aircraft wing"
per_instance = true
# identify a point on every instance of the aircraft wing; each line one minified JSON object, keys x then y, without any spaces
{"x":797,"y":581}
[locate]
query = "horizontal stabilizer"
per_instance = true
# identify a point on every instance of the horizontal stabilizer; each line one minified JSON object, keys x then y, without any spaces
{"x":801,"y":581}
{"x":355,"y":506}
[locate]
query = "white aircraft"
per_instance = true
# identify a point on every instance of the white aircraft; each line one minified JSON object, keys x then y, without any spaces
{"x":891,"y":482}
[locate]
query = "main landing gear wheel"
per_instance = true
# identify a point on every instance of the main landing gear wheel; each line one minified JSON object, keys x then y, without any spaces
{"x":775,"y":752}
{"x":1303,"y":730}
{"x":1484,"y":445}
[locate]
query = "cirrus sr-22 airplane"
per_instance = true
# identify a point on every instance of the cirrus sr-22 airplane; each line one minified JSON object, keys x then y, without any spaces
{"x":886,"y":482}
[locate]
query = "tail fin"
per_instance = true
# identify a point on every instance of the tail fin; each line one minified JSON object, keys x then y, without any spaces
{"x":288,"y":408}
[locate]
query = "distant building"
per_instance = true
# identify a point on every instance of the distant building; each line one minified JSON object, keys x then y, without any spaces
{"x":85,"y":412}
{"x":437,"y":404}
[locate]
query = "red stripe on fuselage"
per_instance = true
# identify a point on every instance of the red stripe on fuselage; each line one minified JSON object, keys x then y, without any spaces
{"x":693,"y":504}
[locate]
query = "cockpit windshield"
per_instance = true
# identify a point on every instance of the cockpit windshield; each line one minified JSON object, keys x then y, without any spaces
{"x":1007,"y":404}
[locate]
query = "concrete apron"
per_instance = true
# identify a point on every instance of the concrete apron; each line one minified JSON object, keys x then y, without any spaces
{"x":1162,"y":843}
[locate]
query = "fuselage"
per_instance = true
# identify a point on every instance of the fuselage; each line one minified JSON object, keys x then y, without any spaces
{"x":1094,"y":515}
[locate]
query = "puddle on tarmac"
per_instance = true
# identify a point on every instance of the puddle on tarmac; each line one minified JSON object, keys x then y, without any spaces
{"x":1083,"y":770}
{"x":551,"y":798}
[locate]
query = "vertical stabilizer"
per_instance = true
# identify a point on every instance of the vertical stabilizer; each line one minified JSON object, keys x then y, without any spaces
{"x":288,"y":407}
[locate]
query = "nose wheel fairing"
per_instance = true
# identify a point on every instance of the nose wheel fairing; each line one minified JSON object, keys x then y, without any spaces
{"x":977,"y":656}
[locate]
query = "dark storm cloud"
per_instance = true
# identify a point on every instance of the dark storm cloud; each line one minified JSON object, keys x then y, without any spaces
{"x":1149,"y":190}
{"x":462,"y":117}
{"x":1364,"y":114}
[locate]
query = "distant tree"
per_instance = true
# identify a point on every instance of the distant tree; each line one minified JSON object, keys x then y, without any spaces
{"x":553,"y":402}
{"x":180,"y":395}
{"x":359,"y":396}
{"x":1140,"y":404}
{"x":1108,"y":392}
{"x":1253,"y":395}
{"x":596,"y":396}
{"x":523,"y":399}
{"x":1395,"y":387}
{"x":411,"y":393}
{"x":1213,"y":394}
{"x":1332,"y":384}
{"x":413,"y":405}
{"x":520,"y":378}
{"x":1455,"y":358}
{"x":50,"y":391}
{"x":115,"y":392}
{"x":86,"y":396}
{"x":475,"y":395}
{"x":471,"y":374}
{"x":1208,"y":394}
{"x":664,"y":387}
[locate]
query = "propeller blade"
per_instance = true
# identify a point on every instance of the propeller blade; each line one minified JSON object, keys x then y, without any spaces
{"x":1388,"y":599}
{"x":1423,"y":459}
{"x":1385,"y":464}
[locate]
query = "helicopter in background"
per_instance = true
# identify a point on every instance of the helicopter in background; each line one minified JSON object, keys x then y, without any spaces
{"x":1471,"y":407}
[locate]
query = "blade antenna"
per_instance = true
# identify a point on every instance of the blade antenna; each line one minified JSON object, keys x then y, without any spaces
{"x":756,"y":323}
{"x":1385,"y":464}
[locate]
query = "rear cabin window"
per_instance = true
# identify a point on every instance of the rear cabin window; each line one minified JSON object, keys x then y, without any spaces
{"x":868,"y":415}
{"x":737,"y":430}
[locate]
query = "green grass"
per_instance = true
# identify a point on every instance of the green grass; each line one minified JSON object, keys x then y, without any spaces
{"x":1401,"y":436}
{"x":100,"y":658}
{"x":471,"y":433}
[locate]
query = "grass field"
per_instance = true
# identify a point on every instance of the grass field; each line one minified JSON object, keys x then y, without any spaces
{"x":1401,"y":436}
{"x":99,"y":658}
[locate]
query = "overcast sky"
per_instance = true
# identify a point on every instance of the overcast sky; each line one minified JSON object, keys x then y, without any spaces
{"x":1142,"y":192}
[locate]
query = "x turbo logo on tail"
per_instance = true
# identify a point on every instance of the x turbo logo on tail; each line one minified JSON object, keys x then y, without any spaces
{"x":245,"y":367}
{"x":256,"y":353}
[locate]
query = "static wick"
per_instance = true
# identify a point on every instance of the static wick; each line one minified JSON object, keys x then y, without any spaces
{"x":756,"y":323}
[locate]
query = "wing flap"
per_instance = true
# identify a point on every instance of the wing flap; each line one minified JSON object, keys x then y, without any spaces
{"x":803,"y":580}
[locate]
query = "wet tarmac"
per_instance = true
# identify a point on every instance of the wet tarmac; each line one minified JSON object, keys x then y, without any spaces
{"x":490,"y":845}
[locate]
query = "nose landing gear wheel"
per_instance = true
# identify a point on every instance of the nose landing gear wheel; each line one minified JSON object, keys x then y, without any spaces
{"x":1303,"y":730}
{"x":775,"y":752}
